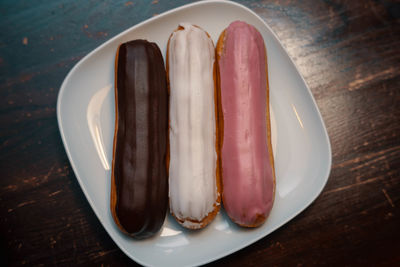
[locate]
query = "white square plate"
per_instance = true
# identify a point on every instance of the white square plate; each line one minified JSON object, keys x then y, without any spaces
{"x":85,"y":112}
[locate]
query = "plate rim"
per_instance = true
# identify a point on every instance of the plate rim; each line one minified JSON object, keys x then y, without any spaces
{"x":166,"y":13}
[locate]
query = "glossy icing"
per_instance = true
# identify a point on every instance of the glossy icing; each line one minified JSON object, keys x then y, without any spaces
{"x":248,"y":183}
{"x":140,"y":143}
{"x":192,"y":135}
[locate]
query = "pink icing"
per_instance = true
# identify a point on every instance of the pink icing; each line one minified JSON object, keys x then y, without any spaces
{"x":248,"y":186}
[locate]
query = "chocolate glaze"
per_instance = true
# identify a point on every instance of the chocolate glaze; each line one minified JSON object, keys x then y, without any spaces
{"x":140,"y":147}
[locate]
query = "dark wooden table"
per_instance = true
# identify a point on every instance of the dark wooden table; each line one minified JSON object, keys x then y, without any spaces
{"x":348,"y":53}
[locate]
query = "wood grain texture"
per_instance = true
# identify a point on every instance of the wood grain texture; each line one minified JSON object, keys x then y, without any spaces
{"x":348,"y":53}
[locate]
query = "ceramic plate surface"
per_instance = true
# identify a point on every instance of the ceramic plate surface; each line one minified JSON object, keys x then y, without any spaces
{"x":85,"y":112}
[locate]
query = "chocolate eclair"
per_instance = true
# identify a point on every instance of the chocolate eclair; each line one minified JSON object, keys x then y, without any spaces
{"x":139,"y":179}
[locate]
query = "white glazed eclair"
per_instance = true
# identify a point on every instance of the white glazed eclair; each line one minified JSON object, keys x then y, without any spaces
{"x":194,"y":183}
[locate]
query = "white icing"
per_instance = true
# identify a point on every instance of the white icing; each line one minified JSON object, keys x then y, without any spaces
{"x":192,"y":181}
{"x":191,"y":225}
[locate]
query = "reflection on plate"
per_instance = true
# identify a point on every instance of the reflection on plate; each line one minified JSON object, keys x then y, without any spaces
{"x":85,"y":111}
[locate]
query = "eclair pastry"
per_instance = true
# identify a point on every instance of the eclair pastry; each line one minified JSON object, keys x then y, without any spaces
{"x":248,"y":175}
{"x":194,"y":186}
{"x":139,"y":186}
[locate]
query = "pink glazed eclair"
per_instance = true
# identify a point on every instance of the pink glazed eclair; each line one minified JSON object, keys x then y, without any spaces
{"x":248,"y":175}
